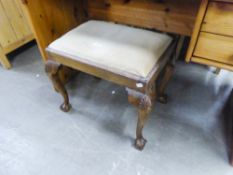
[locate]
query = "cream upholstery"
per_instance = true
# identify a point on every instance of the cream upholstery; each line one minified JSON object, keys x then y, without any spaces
{"x":116,"y":47}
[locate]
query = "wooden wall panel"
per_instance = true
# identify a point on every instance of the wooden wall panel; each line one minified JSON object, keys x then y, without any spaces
{"x":52,"y":18}
{"x":175,"y":16}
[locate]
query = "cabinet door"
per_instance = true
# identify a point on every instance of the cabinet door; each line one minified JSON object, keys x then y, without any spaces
{"x":7,"y":35}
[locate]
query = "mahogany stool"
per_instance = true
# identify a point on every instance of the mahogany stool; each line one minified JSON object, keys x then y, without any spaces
{"x":125,"y":55}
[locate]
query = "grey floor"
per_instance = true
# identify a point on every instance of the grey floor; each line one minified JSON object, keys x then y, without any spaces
{"x":186,"y":136}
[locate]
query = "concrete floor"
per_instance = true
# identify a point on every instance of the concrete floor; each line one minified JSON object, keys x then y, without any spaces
{"x":184,"y":137}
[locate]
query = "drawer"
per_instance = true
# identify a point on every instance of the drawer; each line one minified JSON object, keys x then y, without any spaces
{"x":215,"y":47}
{"x":219,"y":18}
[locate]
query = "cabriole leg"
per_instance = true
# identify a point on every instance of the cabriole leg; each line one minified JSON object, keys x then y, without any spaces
{"x":162,"y":97}
{"x":143,"y":112}
{"x":52,"y":69}
{"x":143,"y":103}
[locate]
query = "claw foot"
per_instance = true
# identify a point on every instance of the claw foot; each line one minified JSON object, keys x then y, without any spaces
{"x":65,"y":107}
{"x":140,"y":143}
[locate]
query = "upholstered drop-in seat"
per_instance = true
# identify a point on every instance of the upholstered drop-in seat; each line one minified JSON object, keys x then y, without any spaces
{"x":115,"y":47}
{"x":125,"y":55}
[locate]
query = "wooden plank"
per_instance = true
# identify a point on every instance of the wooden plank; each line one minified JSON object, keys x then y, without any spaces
{"x":7,"y":35}
{"x":215,"y":47}
{"x":172,"y":16}
{"x":196,"y":30}
{"x":219,"y":18}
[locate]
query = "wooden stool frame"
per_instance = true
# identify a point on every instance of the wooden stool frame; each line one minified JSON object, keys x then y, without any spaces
{"x":141,"y":91}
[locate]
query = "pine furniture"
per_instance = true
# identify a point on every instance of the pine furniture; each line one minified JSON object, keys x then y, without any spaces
{"x":211,"y":42}
{"x":212,"y":39}
{"x":14,"y":30}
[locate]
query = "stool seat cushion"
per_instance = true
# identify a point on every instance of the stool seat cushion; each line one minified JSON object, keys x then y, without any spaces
{"x":116,"y":47}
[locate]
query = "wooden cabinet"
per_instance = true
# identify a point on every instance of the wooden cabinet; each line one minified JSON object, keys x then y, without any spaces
{"x":14,"y":29}
{"x":212,"y":39}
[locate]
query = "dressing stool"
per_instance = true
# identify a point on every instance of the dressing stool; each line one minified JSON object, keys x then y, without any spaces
{"x":127,"y":56}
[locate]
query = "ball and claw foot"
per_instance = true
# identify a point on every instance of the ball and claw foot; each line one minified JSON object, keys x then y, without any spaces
{"x":65,"y":108}
{"x":163,"y":99}
{"x":140,"y":143}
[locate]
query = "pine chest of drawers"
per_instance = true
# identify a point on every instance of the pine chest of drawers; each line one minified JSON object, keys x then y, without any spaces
{"x":212,"y":38}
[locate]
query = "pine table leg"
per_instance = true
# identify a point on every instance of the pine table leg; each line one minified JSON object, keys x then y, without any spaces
{"x":4,"y":61}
